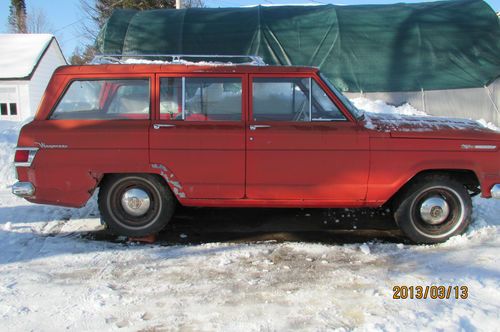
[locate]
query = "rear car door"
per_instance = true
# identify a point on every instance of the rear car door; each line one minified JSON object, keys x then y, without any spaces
{"x":300,"y":144}
{"x":198,"y":136}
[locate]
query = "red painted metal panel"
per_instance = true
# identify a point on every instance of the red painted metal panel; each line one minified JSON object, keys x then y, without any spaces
{"x":207,"y":157}
{"x":306,"y":160}
{"x":79,"y":152}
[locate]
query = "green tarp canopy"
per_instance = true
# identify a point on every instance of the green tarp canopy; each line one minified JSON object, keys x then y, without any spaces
{"x":400,"y":47}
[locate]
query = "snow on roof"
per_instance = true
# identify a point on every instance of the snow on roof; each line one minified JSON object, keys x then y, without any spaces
{"x":21,"y":53}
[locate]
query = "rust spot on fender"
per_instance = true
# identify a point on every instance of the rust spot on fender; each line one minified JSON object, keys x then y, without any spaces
{"x":97,"y":178}
{"x":169,"y":176}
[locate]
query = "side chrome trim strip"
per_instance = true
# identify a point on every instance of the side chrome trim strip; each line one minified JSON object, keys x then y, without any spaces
{"x":478,"y":147}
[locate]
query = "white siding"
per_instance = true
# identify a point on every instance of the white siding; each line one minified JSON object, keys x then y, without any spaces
{"x":15,"y":92}
{"x":52,"y":59}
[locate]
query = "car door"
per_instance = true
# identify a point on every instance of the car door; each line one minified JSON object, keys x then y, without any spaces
{"x":300,"y":145}
{"x":199,"y":133}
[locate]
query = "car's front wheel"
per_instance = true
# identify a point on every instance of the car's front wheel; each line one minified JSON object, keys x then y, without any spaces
{"x":135,"y":205}
{"x":433,"y":209}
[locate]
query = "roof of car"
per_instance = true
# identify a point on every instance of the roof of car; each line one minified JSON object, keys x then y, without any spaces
{"x":179,"y":68}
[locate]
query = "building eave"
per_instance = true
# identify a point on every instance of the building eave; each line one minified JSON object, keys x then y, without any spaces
{"x":28,"y":77}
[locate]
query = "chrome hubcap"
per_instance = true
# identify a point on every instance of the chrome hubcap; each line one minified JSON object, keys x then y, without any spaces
{"x":434,"y":210}
{"x":136,"y":202}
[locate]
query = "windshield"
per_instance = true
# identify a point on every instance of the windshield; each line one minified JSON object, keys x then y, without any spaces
{"x":347,"y":103}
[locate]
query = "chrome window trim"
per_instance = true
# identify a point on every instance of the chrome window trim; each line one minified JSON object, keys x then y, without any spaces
{"x":310,"y":99}
{"x":328,"y":120}
{"x":183,"y":98}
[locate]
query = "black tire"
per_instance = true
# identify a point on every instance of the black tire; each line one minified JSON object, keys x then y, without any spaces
{"x":424,"y":225}
{"x":160,"y":207}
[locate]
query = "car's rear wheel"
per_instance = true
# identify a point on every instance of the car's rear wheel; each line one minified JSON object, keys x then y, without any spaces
{"x":135,"y":205}
{"x":433,"y":209}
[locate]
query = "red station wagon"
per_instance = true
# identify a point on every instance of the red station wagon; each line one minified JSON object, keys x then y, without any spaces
{"x":151,"y":136}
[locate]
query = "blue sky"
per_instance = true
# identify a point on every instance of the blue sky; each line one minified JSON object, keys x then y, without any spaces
{"x":65,"y":15}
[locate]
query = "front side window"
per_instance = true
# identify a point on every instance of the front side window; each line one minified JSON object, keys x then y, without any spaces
{"x":292,"y":99}
{"x":105,"y":99}
{"x":322,"y":107}
{"x":200,"y":99}
{"x":280,"y":99}
{"x":347,"y":103}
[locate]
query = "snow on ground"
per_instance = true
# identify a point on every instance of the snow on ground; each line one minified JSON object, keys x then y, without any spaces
{"x":52,"y":278}
{"x":9,"y":131}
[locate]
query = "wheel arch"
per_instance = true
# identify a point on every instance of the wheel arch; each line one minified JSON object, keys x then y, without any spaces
{"x":466,"y":177}
{"x":162,"y":178}
{"x":424,"y":224}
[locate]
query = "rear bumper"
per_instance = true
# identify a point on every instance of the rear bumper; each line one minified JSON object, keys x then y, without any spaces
{"x":495,"y":191}
{"x":23,"y":189}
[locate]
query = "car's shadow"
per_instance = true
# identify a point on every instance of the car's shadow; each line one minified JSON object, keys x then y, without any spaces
{"x":205,"y":225}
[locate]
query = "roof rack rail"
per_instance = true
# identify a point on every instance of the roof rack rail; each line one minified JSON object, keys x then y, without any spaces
{"x":175,"y":58}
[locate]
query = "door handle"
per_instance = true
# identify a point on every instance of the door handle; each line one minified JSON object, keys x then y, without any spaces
{"x":158,"y":126}
{"x":255,"y":127}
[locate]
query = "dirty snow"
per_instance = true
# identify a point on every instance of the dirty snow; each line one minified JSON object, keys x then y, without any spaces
{"x":52,"y":278}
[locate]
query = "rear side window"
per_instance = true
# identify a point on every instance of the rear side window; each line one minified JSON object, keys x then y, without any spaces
{"x":201,"y":99}
{"x":105,"y":99}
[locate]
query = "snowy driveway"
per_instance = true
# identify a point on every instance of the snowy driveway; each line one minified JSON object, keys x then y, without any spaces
{"x":52,"y":278}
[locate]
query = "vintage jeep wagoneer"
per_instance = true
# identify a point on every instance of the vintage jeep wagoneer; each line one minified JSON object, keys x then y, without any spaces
{"x":151,"y":136}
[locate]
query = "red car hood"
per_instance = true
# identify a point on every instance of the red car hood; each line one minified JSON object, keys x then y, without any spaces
{"x":428,"y":127}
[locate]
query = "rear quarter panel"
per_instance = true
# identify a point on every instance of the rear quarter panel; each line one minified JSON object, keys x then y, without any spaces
{"x":67,"y":175}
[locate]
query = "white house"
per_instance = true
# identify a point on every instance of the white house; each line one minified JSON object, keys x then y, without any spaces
{"x":27,"y":62}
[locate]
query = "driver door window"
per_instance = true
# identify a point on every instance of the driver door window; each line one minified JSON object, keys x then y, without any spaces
{"x":292,"y":100}
{"x":281,"y":99}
